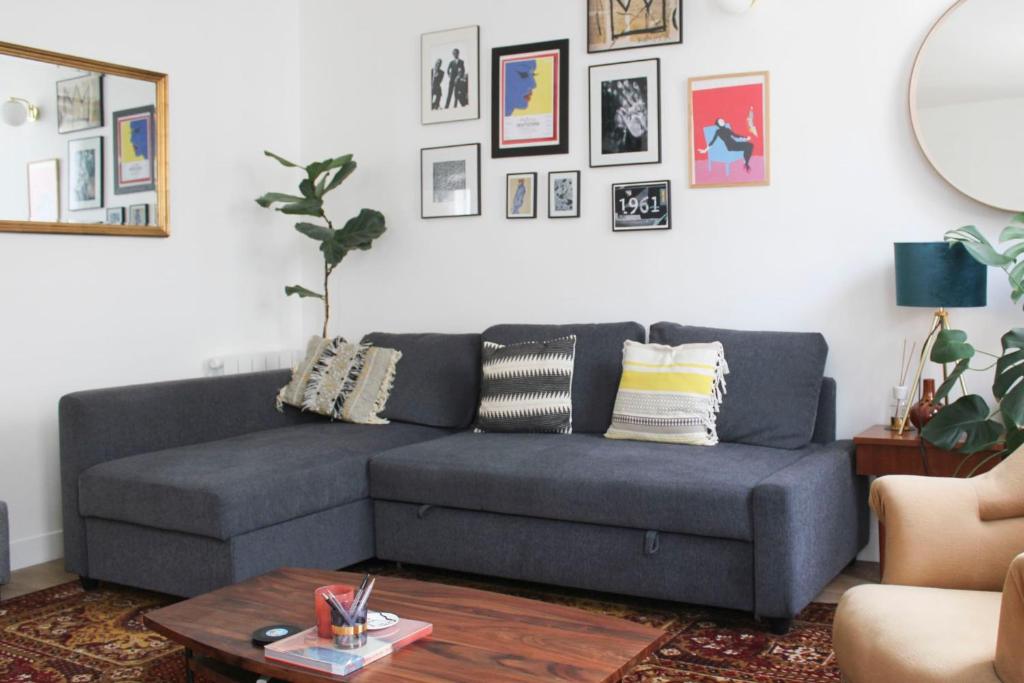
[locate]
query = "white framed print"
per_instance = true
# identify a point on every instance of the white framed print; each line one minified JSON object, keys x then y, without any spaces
{"x":521,"y":195}
{"x":564,"y":194}
{"x":641,"y":206}
{"x":450,"y":75}
{"x":85,"y":173}
{"x":44,"y":191}
{"x":450,"y":181}
{"x":625,"y":113}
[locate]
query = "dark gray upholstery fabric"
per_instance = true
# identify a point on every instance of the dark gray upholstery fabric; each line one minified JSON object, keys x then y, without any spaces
{"x":231,"y":486}
{"x":186,"y":565}
{"x":695,"y":569}
{"x":697,"y":490}
{"x":438,"y":379}
{"x":598,"y":367}
{"x":825,"y":423}
{"x":810,"y":520}
{"x":106,"y":424}
{"x":773,"y":384}
{"x":5,"y":545}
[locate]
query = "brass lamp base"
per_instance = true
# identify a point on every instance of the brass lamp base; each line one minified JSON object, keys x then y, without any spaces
{"x":940,"y":322}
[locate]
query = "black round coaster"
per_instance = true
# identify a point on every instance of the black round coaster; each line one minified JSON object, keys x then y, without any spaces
{"x":269,"y":634}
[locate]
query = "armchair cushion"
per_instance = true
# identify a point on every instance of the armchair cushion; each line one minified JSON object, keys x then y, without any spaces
{"x":1010,"y":645}
{"x":1001,"y":490}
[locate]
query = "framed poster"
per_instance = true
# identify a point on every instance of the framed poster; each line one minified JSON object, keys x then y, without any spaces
{"x":138,"y":214}
{"x":115,"y":215}
{"x":564,"y":194}
{"x":44,"y":191}
{"x":85,"y":173}
{"x":521,"y":195}
{"x":729,"y":130}
{"x":80,"y":103}
{"x":625,"y":113}
{"x":530,"y":99}
{"x":134,"y":151}
{"x":641,"y":206}
{"x":450,"y":181}
{"x":450,"y":75}
{"x":622,"y":24}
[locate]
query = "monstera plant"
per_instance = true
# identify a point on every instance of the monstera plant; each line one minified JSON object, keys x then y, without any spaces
{"x":969,"y":424}
{"x":359,"y":232}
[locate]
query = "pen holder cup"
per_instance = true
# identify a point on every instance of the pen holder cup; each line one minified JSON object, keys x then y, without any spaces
{"x":343,"y":592}
{"x":349,"y":636}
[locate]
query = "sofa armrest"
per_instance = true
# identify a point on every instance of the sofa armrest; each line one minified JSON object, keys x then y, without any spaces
{"x":107,"y":424}
{"x":934,"y":535}
{"x":1009,"y":650}
{"x":810,"y":521}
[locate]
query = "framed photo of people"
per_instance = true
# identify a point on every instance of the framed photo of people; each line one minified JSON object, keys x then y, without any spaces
{"x":134,"y":151}
{"x":564,"y":194}
{"x":85,"y":173}
{"x":530,"y":99}
{"x":625,"y":113}
{"x":622,"y":24}
{"x":729,"y":130}
{"x":450,"y":75}
{"x":450,"y":181}
{"x":641,"y":206}
{"x":521,"y":195}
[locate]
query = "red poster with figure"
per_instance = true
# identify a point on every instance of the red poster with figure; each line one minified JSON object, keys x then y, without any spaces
{"x":729,"y":130}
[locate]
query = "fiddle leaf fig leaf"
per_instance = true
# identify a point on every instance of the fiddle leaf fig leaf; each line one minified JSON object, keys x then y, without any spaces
{"x":302,"y":292}
{"x":969,"y":416}
{"x":275,"y":197}
{"x":360,"y":231}
{"x":304,"y":207}
{"x":307,"y":188}
{"x":344,"y":172}
{"x":951,"y":346}
{"x":317,"y":167}
{"x":317,"y":232}
{"x":283,"y":162}
{"x":333,"y":250}
{"x":947,"y":386}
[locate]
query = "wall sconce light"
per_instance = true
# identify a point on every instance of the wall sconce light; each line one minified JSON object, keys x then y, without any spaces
{"x":16,"y":110}
{"x":736,"y":6}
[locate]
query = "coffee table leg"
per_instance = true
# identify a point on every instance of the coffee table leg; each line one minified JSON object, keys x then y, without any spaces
{"x":189,"y":676}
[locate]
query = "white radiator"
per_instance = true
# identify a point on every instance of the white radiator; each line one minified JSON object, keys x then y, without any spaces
{"x":237,"y":363}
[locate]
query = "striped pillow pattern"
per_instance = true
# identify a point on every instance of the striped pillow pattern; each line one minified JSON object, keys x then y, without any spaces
{"x":294,"y":393}
{"x":669,"y":394}
{"x":527,"y":387}
{"x":352,"y":383}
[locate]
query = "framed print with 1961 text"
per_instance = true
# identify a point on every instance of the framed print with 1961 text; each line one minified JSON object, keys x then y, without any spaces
{"x":625,"y":113}
{"x":530,"y":99}
{"x":450,"y":75}
{"x":729,"y":130}
{"x":641,"y":206}
{"x":450,"y":181}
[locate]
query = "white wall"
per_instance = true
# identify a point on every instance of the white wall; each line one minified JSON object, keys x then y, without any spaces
{"x":811,"y":252}
{"x":82,"y":312}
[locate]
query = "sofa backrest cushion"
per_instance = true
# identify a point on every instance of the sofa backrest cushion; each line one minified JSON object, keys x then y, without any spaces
{"x":438,"y":380}
{"x":773,"y":384}
{"x":595,"y":379}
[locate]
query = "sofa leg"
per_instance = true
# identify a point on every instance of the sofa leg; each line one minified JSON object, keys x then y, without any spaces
{"x":88,"y":584}
{"x":779,"y":625}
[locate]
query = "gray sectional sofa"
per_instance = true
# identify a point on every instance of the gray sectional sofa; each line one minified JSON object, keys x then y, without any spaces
{"x":185,"y":486}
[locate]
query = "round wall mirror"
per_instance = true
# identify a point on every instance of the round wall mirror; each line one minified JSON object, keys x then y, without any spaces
{"x":967,"y":100}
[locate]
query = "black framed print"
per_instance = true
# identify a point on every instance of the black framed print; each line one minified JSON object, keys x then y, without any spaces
{"x":138,"y":214}
{"x":625,"y":113}
{"x":521,"y":195}
{"x":623,"y":24}
{"x":564,"y":194}
{"x":115,"y":215}
{"x":80,"y":103}
{"x":85,"y":173}
{"x":530,"y":99}
{"x":450,"y":75}
{"x":641,"y":206}
{"x":450,"y":181}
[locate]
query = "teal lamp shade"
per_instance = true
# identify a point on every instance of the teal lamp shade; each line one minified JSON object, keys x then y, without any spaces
{"x":937,"y":275}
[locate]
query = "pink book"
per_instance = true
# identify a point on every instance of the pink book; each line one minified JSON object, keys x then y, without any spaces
{"x":309,"y":650}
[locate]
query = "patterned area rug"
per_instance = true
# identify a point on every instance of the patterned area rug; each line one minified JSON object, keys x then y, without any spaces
{"x":65,"y":635}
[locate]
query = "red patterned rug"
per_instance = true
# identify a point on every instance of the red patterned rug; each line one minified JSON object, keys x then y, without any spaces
{"x":65,"y":635}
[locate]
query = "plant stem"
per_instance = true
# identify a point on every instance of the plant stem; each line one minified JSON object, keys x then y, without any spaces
{"x":327,"y":291}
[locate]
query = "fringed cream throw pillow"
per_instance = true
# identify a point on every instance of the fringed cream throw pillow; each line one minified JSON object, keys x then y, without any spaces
{"x":352,"y":382}
{"x":669,"y":394}
{"x":294,"y":393}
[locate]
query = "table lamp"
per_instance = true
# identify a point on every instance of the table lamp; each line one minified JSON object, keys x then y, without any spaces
{"x":940,"y":276}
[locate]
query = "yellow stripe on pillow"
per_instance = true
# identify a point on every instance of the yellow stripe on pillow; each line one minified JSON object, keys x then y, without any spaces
{"x":686,"y":382}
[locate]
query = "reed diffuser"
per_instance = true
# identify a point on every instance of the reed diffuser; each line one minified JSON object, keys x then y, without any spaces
{"x":900,"y":391}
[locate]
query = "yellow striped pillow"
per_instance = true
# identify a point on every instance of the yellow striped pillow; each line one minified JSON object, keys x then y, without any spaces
{"x":669,"y":394}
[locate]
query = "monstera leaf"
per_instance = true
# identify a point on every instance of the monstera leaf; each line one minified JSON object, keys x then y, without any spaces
{"x":968,"y":416}
{"x":1009,"y":384}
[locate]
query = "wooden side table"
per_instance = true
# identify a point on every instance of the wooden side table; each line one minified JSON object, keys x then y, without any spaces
{"x":880,"y":452}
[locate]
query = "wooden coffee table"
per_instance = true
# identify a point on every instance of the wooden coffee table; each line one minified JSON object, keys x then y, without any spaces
{"x":478,"y":635}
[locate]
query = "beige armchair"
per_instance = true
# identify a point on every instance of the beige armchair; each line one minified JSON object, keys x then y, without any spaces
{"x":951,"y":604}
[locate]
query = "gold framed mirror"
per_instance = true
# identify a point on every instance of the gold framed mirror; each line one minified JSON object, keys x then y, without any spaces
{"x":85,"y":146}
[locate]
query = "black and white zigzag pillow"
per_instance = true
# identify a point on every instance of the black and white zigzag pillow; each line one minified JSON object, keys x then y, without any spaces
{"x":527,"y":387}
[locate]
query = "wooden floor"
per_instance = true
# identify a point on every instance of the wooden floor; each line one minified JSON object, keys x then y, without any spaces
{"x":52,"y":574}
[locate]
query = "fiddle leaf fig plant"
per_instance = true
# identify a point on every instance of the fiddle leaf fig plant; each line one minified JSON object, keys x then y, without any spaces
{"x":358,"y":233}
{"x":969,"y":424}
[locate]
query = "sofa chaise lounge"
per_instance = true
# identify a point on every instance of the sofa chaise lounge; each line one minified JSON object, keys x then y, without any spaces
{"x":185,"y":486}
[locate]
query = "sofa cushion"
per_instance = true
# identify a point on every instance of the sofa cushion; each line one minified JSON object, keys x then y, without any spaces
{"x":598,"y":366}
{"x":584,"y":478}
{"x":773,"y":385}
{"x":225,"y":488}
{"x":438,"y":381}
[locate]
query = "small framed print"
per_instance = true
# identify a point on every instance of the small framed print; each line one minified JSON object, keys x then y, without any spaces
{"x":134,"y":159}
{"x":619,"y":24}
{"x":80,"y":103}
{"x":625,"y":113}
{"x":450,"y":75}
{"x":530,"y":99}
{"x":44,"y":191}
{"x":115,"y":215}
{"x":729,"y":130}
{"x":641,"y":206}
{"x":564,"y":194}
{"x":521,"y":195}
{"x":85,"y":173}
{"x":138,"y":214}
{"x":450,"y":181}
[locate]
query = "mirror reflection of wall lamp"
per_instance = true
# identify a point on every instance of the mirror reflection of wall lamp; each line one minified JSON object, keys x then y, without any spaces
{"x":16,"y":110}
{"x":736,"y":6}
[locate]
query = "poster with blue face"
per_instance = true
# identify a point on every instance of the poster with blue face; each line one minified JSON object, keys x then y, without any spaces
{"x":133,"y":150}
{"x":530,"y":99}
